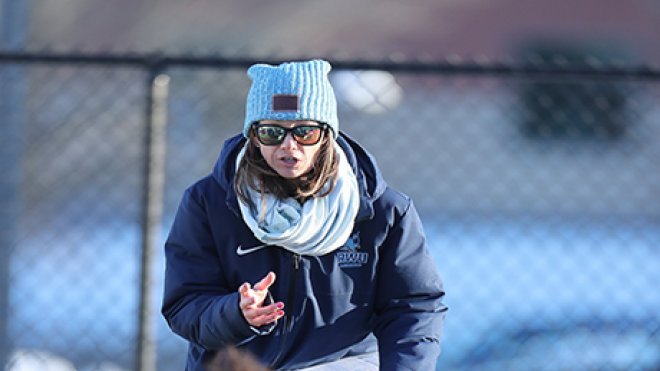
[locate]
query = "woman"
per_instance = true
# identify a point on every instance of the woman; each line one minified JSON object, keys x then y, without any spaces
{"x":295,"y":249}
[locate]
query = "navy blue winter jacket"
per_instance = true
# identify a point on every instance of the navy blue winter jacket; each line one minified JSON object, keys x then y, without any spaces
{"x":379,"y":292}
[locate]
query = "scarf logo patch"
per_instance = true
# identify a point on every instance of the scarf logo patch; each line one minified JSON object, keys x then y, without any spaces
{"x":349,"y":255}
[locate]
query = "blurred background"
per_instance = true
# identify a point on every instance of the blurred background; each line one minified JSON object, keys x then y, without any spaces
{"x":526,"y":131}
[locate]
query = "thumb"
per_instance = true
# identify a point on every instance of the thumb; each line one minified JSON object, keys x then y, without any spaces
{"x":266,"y":282}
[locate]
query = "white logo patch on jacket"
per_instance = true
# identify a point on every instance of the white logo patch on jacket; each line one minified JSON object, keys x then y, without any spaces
{"x":349,"y":256}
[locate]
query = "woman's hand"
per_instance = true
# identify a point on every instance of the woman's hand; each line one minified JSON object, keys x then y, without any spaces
{"x":252,"y":303}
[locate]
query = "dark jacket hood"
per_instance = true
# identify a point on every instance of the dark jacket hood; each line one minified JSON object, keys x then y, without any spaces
{"x":370,"y":180}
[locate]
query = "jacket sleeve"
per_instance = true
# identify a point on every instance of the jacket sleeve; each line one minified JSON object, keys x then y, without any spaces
{"x":197,"y":304}
{"x":409,"y":308}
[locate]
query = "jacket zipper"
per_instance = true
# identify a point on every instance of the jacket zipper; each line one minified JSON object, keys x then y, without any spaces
{"x":288,"y":317}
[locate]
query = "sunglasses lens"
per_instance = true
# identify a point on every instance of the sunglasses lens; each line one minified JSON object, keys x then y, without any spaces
{"x":307,"y":135}
{"x":270,"y":135}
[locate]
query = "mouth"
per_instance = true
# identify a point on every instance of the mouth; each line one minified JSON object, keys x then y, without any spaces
{"x":289,"y":160}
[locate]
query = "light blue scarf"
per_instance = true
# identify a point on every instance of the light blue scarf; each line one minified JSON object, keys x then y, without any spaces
{"x":317,"y":227}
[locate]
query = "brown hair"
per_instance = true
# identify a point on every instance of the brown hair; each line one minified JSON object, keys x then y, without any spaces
{"x":231,"y":358}
{"x":253,"y":171}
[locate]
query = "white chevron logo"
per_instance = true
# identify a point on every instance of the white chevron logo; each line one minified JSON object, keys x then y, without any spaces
{"x":244,"y":251}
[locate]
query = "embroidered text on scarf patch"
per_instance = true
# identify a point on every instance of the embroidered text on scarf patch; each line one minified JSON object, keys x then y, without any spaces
{"x":348,"y":255}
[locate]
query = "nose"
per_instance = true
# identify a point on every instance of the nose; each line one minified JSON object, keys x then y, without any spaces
{"x":289,"y":141}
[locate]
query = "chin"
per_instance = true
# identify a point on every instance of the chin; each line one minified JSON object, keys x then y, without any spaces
{"x":289,"y":174}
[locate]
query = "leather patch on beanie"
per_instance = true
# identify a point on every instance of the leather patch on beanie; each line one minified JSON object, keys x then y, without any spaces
{"x":286,"y":102}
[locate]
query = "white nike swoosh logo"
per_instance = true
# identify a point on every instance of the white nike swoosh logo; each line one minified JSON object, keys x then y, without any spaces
{"x":242,"y":251}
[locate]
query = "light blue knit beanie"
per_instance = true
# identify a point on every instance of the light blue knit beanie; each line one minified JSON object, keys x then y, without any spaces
{"x":291,"y":91}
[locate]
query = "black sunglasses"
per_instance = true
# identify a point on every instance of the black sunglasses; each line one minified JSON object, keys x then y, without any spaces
{"x":272,"y":135}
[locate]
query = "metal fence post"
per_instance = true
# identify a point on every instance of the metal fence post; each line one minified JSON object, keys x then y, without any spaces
{"x":13,"y":17}
{"x":154,"y":171}
{"x":9,"y":184}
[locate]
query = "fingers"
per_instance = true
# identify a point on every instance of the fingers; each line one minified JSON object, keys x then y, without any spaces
{"x":246,"y":303}
{"x":258,"y":293}
{"x":266,"y":282}
{"x":252,"y":299}
{"x":264,"y":315}
{"x":244,"y":290}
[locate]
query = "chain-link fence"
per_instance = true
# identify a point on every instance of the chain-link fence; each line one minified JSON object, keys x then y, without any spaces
{"x":537,"y":183}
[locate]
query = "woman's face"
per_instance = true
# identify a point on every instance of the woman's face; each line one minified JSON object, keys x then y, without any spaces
{"x":289,"y":159}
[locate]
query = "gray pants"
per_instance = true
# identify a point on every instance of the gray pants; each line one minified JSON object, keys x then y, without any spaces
{"x":362,"y":362}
